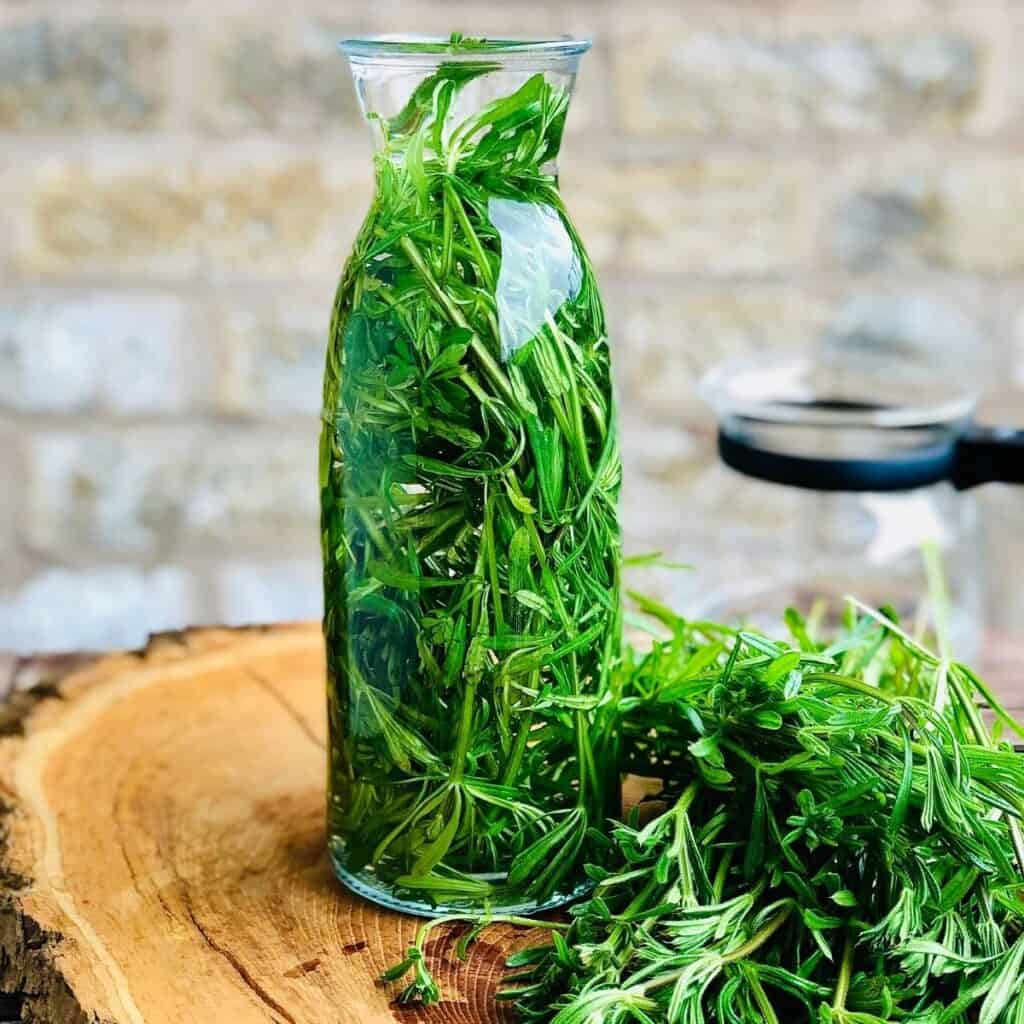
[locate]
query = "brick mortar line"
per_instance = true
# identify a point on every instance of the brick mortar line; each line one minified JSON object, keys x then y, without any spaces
{"x":803,"y":275}
{"x":184,"y":75}
{"x":270,"y":290}
{"x":185,"y":11}
{"x":296,"y":546}
{"x":258,"y":427}
{"x":222,"y":284}
{"x":112,"y":148}
{"x":350,"y":147}
{"x":265,"y":543}
{"x":57,"y":286}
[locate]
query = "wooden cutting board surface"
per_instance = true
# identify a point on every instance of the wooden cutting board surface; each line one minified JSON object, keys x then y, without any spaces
{"x":162,"y":851}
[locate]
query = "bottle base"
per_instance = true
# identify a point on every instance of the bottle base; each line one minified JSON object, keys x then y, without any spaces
{"x":366,"y":884}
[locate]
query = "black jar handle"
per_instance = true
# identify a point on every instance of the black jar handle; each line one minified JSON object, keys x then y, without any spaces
{"x":988,"y":455}
{"x":979,"y":455}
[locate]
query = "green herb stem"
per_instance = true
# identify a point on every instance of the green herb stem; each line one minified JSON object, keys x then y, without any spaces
{"x":845,"y":974}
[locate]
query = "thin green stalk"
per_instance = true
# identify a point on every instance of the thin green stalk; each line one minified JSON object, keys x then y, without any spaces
{"x":761,"y":998}
{"x":462,"y":737}
{"x":759,"y":938}
{"x":492,"y":563}
{"x":448,"y":237}
{"x":748,"y":948}
{"x":482,"y":353}
{"x":845,"y":974}
{"x":471,"y":678}
{"x":376,"y":536}
{"x":983,"y":737}
{"x":515,"y":759}
{"x":576,"y":429}
{"x":979,"y":731}
{"x":482,"y":264}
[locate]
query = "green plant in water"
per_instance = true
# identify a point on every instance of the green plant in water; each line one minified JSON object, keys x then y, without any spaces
{"x":838,"y":841}
{"x":469,"y":474}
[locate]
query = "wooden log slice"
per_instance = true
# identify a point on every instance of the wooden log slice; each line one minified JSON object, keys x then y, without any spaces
{"x":164,"y":852}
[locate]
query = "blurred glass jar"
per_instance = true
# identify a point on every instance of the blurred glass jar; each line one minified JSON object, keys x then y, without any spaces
{"x":880,"y":455}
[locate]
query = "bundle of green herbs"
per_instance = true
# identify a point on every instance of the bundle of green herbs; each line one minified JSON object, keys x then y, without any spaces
{"x":469,"y":474}
{"x":838,"y":840}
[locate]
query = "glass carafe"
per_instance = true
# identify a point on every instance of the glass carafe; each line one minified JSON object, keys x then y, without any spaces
{"x":469,"y":477}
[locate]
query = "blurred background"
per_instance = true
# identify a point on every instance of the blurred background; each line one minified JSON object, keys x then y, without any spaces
{"x":180,"y":181}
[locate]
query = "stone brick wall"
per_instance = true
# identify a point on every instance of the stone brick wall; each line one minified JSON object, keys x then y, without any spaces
{"x":180,"y":179}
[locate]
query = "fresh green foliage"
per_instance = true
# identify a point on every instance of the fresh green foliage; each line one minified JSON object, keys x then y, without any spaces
{"x":837,"y":841}
{"x":469,"y":475}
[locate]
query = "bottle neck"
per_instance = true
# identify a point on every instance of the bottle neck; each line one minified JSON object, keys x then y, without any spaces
{"x":475,"y":122}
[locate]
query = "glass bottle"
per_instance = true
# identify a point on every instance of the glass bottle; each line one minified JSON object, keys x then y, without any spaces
{"x":469,"y":476}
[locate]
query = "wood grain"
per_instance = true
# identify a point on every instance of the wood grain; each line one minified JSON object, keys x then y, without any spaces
{"x":163,"y":851}
{"x":165,"y":858}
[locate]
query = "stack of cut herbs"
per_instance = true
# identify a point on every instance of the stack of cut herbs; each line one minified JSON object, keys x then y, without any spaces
{"x":838,"y":840}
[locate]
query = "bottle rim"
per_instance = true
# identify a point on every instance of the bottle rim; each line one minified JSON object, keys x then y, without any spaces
{"x":425,"y":50}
